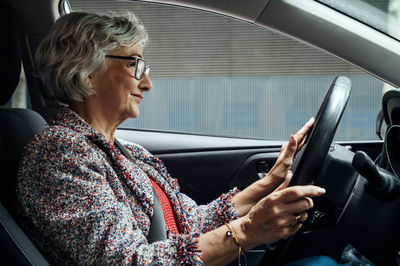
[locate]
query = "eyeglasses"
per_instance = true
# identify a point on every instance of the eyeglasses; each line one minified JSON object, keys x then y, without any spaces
{"x":139,"y":64}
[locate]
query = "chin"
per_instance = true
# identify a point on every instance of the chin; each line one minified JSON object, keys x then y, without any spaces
{"x":134,"y":114}
{"x":132,"y":111}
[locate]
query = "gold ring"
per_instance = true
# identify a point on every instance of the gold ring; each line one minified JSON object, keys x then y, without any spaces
{"x":298,"y":219}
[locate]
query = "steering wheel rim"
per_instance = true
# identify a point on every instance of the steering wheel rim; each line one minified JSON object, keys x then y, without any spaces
{"x":306,"y":166}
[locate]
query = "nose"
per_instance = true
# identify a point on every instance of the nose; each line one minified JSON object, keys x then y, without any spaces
{"x":145,"y":83}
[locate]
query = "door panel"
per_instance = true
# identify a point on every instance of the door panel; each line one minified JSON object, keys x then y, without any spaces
{"x":207,"y":166}
{"x":206,"y":175}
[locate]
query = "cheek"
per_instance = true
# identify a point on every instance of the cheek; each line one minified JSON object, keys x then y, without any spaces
{"x":102,"y":84}
{"x":124,"y":82}
{"x":115,"y":87}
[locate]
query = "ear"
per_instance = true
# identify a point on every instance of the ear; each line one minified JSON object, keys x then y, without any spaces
{"x":88,"y":81}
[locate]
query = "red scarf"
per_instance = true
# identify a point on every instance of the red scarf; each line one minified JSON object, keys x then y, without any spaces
{"x":169,"y":217}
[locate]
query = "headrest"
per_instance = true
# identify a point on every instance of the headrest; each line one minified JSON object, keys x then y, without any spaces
{"x":10,"y":55}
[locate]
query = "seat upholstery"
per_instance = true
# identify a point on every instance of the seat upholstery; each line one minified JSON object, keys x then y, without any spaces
{"x":17,"y":127}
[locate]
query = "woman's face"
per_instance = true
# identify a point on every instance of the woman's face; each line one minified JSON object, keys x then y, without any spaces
{"x":117,"y":89}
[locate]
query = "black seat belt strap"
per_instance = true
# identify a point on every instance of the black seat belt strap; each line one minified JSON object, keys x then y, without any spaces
{"x":157,"y":227}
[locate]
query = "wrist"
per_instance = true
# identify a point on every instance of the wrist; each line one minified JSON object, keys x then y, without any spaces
{"x":245,"y":241}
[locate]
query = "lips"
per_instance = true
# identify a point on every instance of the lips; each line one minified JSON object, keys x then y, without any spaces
{"x":138,"y":97}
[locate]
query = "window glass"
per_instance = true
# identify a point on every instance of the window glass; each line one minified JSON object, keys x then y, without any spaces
{"x":216,"y":75}
{"x":383,"y":15}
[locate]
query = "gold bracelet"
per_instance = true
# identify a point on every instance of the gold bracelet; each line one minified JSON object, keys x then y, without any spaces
{"x":231,"y":233}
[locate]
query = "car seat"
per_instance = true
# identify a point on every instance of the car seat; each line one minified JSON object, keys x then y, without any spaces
{"x":17,"y":127}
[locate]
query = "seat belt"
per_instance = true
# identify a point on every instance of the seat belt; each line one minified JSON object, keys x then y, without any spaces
{"x":157,"y":227}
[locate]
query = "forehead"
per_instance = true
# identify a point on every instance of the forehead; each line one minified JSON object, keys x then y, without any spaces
{"x":134,"y":50}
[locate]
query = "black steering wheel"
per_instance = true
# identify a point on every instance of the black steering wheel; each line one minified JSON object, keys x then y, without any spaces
{"x":307,"y":165}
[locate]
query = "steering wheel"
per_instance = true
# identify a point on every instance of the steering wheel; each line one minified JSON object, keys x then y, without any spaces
{"x":308,"y":162}
{"x":307,"y":165}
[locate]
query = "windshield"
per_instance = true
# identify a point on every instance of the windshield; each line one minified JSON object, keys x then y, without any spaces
{"x":383,"y":15}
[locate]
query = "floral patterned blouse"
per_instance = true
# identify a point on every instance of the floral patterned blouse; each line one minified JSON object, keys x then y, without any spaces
{"x":82,"y":202}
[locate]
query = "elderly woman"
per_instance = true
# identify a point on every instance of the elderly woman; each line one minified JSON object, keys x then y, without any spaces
{"x":84,"y":198}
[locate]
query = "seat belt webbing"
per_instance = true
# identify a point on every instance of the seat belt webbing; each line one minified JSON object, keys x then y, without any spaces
{"x":157,"y":227}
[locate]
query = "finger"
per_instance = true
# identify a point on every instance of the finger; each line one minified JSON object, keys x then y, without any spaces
{"x":310,"y":200}
{"x":298,"y":206}
{"x":304,"y":130}
{"x":300,"y":145}
{"x":288,"y":220}
{"x":294,"y":219}
{"x":291,"y":146}
{"x":286,"y":182}
{"x":303,"y":140}
{"x":288,"y":148}
{"x":295,"y":193}
{"x":299,"y":218}
{"x":292,"y":229}
{"x":303,"y":217}
{"x":289,"y":230}
{"x":285,"y":158}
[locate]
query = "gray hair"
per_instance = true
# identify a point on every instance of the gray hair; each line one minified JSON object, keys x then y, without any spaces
{"x":76,"y":47}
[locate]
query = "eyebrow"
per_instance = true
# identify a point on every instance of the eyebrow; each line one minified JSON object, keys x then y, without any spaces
{"x":136,"y":55}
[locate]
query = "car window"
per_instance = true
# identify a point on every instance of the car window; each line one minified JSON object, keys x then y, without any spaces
{"x":216,"y":75}
{"x":383,"y":15}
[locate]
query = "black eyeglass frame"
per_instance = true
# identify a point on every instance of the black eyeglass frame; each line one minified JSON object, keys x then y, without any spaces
{"x":138,"y":60}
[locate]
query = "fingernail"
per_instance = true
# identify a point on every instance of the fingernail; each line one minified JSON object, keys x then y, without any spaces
{"x":292,"y":140}
{"x":311,"y":120}
{"x":321,"y":190}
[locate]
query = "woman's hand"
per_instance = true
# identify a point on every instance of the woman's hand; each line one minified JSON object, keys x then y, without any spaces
{"x":267,"y":208}
{"x":274,"y":217}
{"x":279,"y":172}
{"x":277,"y":178}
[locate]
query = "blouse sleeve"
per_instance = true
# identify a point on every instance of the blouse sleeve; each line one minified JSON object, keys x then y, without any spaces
{"x":214,"y":214}
{"x":68,"y":207}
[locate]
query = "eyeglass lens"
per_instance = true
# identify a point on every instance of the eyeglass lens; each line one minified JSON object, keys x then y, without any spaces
{"x":140,"y":66}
